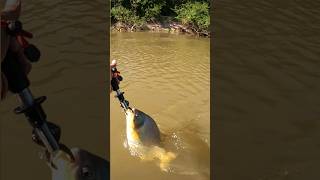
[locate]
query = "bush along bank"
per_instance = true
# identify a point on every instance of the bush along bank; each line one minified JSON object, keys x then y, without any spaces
{"x":184,"y":16}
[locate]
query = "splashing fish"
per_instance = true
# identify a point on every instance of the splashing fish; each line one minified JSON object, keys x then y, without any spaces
{"x":143,"y":138}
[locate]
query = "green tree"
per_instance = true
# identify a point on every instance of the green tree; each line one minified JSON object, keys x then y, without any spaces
{"x":195,"y":14}
{"x":141,"y":10}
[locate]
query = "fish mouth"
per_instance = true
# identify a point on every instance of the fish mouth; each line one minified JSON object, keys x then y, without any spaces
{"x":138,"y":120}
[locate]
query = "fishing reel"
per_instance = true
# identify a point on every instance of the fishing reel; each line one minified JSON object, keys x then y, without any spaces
{"x":116,"y":78}
{"x":15,"y":29}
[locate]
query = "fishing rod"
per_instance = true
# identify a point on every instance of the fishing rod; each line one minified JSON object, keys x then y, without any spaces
{"x":116,"y":78}
{"x":44,"y":133}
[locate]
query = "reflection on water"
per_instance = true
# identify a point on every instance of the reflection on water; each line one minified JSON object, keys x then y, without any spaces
{"x":71,"y":73}
{"x":266,"y":98}
{"x":167,"y":77}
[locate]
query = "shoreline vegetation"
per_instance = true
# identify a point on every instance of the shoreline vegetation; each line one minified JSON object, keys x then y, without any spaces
{"x":172,"y":16}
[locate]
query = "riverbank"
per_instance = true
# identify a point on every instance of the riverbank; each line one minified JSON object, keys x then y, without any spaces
{"x":186,"y":17}
{"x":168,"y":26}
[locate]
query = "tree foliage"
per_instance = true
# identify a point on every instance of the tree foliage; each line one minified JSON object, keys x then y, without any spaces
{"x":137,"y":12}
{"x":194,"y":13}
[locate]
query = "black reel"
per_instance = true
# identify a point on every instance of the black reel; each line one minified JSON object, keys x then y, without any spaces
{"x":114,"y":80}
{"x":115,"y":87}
{"x":32,"y":53}
{"x":119,"y":78}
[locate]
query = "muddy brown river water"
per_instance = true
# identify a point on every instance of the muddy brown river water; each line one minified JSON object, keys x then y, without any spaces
{"x":71,"y":73}
{"x":266,"y":90}
{"x":167,"y":77}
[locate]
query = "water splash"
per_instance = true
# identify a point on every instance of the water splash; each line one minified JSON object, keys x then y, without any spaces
{"x":160,"y":155}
